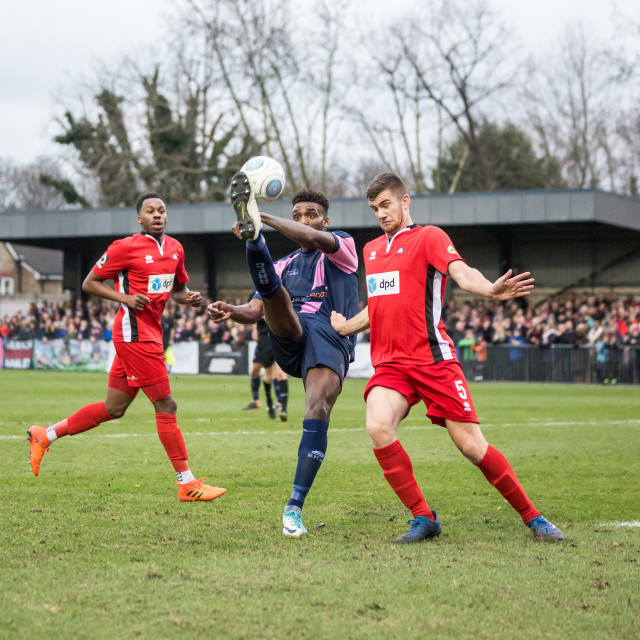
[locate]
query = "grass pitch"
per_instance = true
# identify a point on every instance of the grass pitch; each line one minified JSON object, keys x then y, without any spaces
{"x":98,"y":546}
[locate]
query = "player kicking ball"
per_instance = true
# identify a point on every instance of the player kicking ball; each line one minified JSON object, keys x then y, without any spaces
{"x":415,"y":360}
{"x":296,"y":296}
{"x":147,"y":269}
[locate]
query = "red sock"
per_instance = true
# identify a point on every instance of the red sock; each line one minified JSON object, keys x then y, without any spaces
{"x":498,"y":472}
{"x":398,"y":471}
{"x":84,"y":419}
{"x":172,"y":440}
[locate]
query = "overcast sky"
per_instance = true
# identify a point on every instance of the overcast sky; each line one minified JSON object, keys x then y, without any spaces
{"x":46,"y":47}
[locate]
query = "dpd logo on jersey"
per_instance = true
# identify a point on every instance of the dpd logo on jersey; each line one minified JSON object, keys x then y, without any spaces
{"x":160,"y":283}
{"x":383,"y":284}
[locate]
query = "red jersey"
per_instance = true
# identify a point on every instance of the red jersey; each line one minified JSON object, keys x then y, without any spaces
{"x":139,"y":264}
{"x":406,"y":280}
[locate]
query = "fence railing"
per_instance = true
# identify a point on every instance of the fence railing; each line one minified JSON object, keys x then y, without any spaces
{"x":556,"y":363}
{"x":526,"y":363}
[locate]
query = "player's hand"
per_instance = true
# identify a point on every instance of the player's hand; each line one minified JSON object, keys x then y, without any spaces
{"x":338,"y":322}
{"x":219,"y":311}
{"x":138,"y":301}
{"x":506,"y":287}
{"x":194,"y":299}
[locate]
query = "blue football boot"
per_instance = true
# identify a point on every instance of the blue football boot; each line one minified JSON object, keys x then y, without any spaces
{"x":421,"y":529}
{"x":545,"y":530}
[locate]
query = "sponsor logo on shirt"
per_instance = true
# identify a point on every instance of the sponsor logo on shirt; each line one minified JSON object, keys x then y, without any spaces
{"x":175,"y":256}
{"x":400,"y":250}
{"x":148,"y":259}
{"x":102,"y":261}
{"x":383,"y":284}
{"x":160,"y":283}
{"x":293,"y":272}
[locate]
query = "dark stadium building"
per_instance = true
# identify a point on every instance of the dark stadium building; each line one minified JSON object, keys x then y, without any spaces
{"x":588,"y":239}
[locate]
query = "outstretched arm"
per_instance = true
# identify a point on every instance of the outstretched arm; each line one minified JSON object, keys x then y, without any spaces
{"x":359,"y":322}
{"x":301,"y":233}
{"x":504,"y":288}
{"x":249,"y":313}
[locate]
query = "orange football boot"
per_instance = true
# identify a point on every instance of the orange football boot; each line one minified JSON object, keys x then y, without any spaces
{"x":38,"y":445}
{"x":197,"y":490}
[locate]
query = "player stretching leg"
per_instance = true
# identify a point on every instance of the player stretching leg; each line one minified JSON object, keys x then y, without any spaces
{"x":147,"y":268}
{"x":415,"y":359}
{"x":296,"y":296}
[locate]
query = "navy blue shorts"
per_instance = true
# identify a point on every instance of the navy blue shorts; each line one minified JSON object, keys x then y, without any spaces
{"x":319,"y":345}
{"x":263,"y":353}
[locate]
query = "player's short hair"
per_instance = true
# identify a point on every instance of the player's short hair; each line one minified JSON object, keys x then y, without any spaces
{"x":387,"y":180}
{"x":146,"y":196}
{"x":311,"y":195}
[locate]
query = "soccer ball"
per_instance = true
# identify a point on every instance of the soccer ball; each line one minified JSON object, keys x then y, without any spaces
{"x":266,"y":176}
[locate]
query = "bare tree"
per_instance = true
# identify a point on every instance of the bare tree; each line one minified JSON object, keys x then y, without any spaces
{"x":572,"y":105}
{"x":29,"y":187}
{"x":437,"y":72}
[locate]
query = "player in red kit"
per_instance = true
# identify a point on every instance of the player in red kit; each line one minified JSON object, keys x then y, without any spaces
{"x":415,"y":359}
{"x":147,"y":269}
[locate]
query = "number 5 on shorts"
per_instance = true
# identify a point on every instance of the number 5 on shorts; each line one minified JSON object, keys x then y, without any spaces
{"x":462,"y":392}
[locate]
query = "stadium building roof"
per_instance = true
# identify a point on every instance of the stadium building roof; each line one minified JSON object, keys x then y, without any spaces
{"x":44,"y":228}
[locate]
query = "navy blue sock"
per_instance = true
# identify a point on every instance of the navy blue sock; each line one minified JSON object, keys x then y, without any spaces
{"x":267,"y":392}
{"x":255,"y":388}
{"x":313,"y":446}
{"x":265,"y":279}
{"x":276,"y":386}
{"x":284,"y":393}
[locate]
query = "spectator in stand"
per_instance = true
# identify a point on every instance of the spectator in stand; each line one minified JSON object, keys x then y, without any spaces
{"x":500,"y":335}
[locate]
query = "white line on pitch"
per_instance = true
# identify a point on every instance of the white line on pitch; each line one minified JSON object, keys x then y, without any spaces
{"x":634,"y":523}
{"x":295,"y":431}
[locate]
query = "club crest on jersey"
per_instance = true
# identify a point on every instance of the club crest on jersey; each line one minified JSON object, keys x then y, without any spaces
{"x":161,"y":283}
{"x":175,"y":256}
{"x":383,"y":284}
{"x":372,"y":256}
{"x":148,"y":259}
{"x":102,"y":261}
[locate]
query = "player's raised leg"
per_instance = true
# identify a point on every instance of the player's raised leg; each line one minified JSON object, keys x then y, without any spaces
{"x":468,"y":437}
{"x":246,"y":208}
{"x":278,"y":310}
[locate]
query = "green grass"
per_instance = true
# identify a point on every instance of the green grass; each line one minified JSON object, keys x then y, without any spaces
{"x":98,"y":546}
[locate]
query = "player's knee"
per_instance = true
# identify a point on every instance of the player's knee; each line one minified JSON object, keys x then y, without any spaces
{"x":318,"y":409}
{"x":115,"y":411}
{"x":380,"y":432}
{"x":166,"y":405}
{"x":472,"y":449}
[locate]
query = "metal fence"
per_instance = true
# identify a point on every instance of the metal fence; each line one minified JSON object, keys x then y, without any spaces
{"x":557,"y":363}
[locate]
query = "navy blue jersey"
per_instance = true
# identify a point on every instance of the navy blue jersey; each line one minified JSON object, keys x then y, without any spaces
{"x":319,"y":283}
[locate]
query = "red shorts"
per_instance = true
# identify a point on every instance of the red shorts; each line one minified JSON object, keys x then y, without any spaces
{"x":441,"y":386}
{"x":140,"y":365}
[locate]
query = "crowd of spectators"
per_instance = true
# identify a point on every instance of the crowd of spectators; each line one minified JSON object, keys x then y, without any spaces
{"x":574,"y":319}
{"x":608,"y":326}
{"x":93,"y":320}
